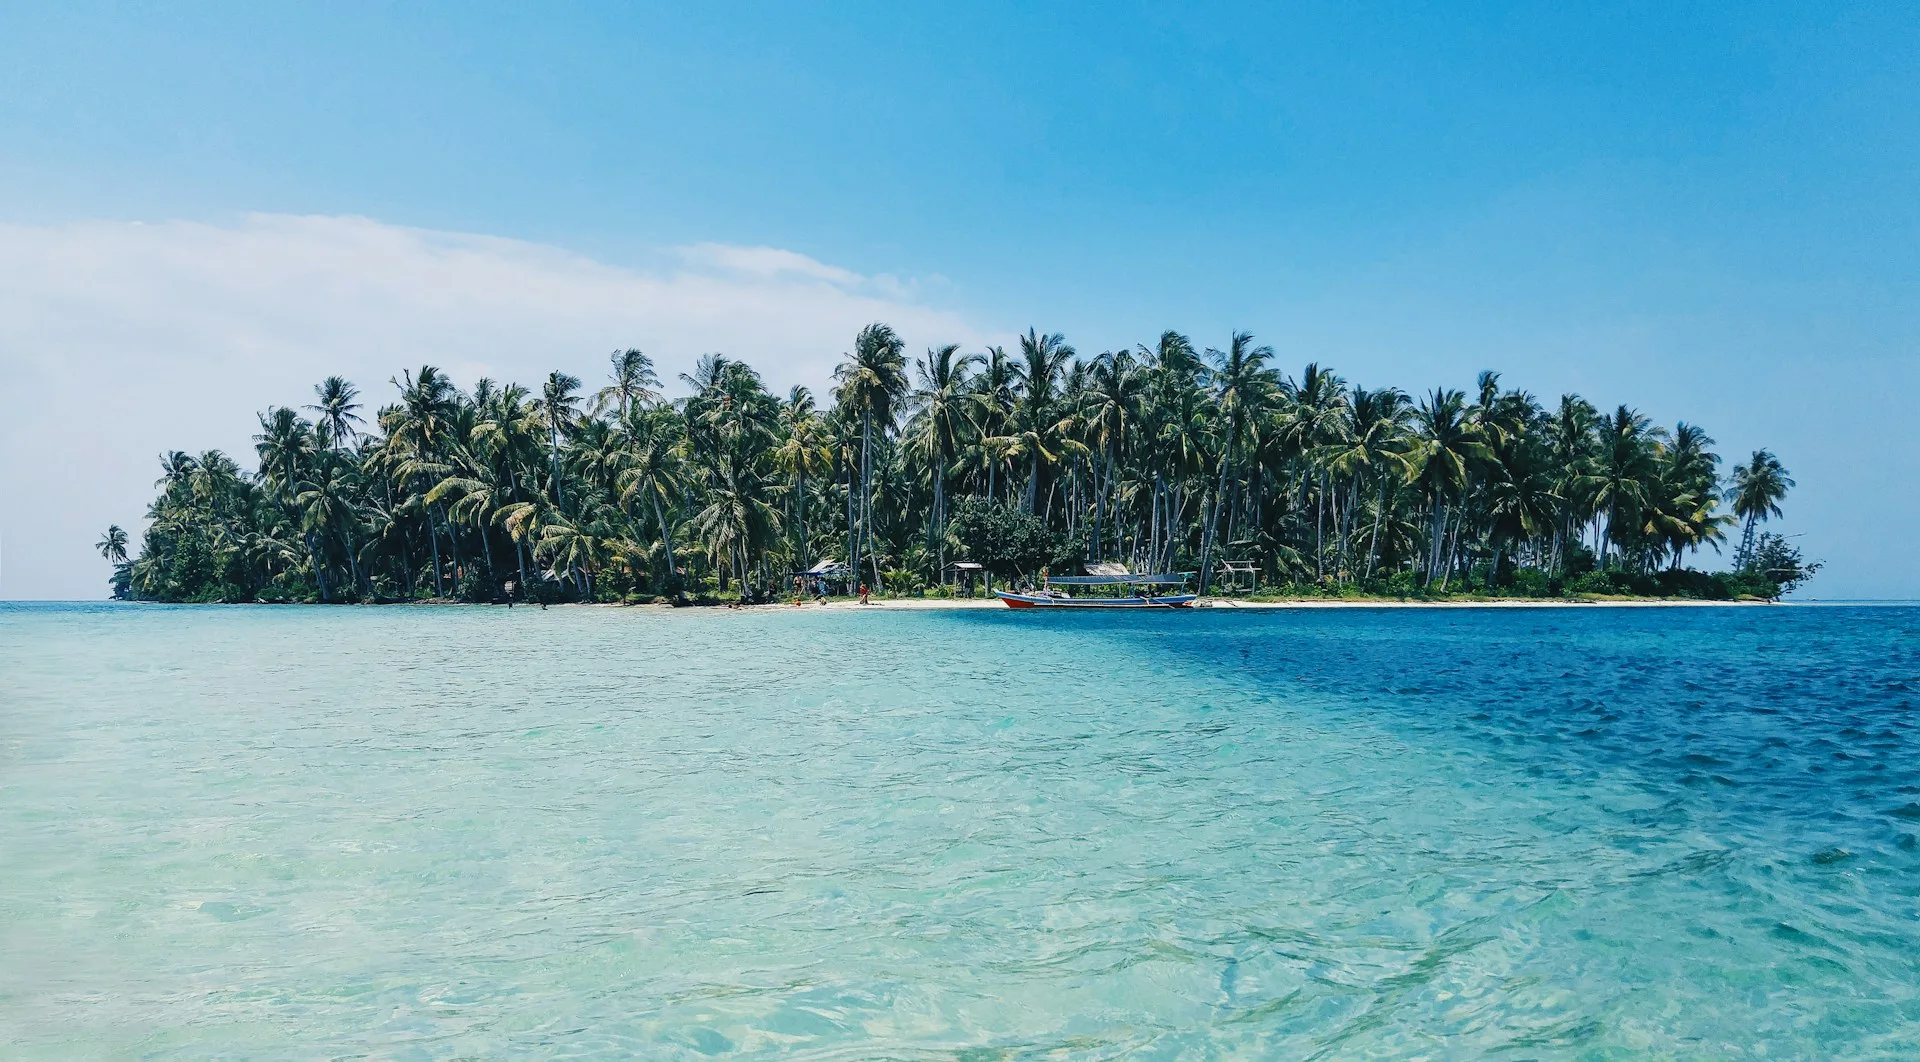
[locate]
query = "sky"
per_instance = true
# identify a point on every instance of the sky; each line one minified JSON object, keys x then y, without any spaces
{"x":1706,"y":211}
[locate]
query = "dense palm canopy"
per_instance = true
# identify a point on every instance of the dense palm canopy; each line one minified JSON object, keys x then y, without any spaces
{"x":1162,"y":457}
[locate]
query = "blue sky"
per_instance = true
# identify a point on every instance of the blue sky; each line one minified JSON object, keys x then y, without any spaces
{"x":1704,"y":211}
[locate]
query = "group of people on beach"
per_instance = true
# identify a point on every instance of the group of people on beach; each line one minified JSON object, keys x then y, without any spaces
{"x":819,"y":593}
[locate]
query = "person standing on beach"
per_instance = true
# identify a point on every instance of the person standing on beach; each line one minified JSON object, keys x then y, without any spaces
{"x":863,"y":594}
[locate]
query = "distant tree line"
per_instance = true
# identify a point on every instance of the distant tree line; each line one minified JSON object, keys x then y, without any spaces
{"x":1164,"y":457}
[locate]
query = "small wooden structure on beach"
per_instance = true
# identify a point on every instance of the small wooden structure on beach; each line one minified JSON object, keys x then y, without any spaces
{"x":968,"y":570}
{"x":820,"y":579}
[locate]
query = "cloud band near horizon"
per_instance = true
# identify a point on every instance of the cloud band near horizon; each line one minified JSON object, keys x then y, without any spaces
{"x":122,"y":340}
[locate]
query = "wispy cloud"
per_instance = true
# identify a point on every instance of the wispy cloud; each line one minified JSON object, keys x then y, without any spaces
{"x":121,"y":340}
{"x":768,"y":262}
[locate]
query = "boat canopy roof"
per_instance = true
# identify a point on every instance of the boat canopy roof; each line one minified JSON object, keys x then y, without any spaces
{"x":1161,"y":579}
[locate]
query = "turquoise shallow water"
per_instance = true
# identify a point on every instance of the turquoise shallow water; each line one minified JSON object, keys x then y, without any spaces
{"x":425,"y":833}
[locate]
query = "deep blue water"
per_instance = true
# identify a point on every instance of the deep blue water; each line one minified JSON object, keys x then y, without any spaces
{"x":1581,"y":833}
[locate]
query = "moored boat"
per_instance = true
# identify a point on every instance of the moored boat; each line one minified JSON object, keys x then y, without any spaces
{"x":1051,"y":596}
{"x":1045,"y":600}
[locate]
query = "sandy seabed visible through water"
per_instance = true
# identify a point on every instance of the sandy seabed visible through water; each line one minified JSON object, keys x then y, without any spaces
{"x":1281,"y":832}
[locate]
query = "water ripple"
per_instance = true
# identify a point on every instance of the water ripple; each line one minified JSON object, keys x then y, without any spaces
{"x":608,"y":833}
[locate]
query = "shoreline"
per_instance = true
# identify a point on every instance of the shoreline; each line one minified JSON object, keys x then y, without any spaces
{"x":941,"y":604}
{"x":917,"y":604}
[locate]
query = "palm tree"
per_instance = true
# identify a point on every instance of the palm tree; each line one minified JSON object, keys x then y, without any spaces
{"x":1758,"y":485}
{"x":1376,"y":441}
{"x":416,"y":433}
{"x":285,"y":446}
{"x":1625,"y":465}
{"x":736,"y":524}
{"x":1172,"y":424}
{"x":335,"y":407}
{"x":1037,"y":375}
{"x":558,"y":402}
{"x":1571,"y":443}
{"x":577,"y":547}
{"x":1445,"y":448}
{"x":477,"y":502}
{"x":1243,"y":388}
{"x":940,"y":424}
{"x":1316,"y":424}
{"x":1518,"y":495}
{"x":803,"y":452}
{"x":654,"y":472}
{"x":1688,"y":492}
{"x":1117,"y":387}
{"x":506,"y":453}
{"x":113,"y":545}
{"x":1677,"y":516}
{"x":873,"y":381}
{"x":993,"y":402}
{"x":633,"y":381}
{"x":326,"y":502}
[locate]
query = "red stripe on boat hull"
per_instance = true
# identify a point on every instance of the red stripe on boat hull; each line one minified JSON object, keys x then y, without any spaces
{"x":1034,"y":601}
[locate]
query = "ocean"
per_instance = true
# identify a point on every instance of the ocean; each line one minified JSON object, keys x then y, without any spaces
{"x":430,"y":832}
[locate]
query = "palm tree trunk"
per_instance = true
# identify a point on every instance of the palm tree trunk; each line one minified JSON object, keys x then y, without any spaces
{"x":1373,"y":543}
{"x":406,"y":561}
{"x":1153,"y":523}
{"x":1206,"y":539}
{"x":433,"y":540}
{"x":453,"y":543}
{"x":1603,"y":532}
{"x":800,"y":518}
{"x":666,"y":539}
{"x":1453,"y":538}
{"x":939,"y":515}
{"x":319,"y":568}
{"x":1100,"y":478}
{"x":1175,"y":505}
{"x":1176,"y":524}
{"x":852,"y":519}
{"x":559,"y":499}
{"x":486,"y":554}
{"x":1437,"y":538}
{"x":1073,"y":498}
{"x":353,"y":562}
{"x":1345,"y":527}
{"x":1319,"y":529}
{"x":866,"y":486}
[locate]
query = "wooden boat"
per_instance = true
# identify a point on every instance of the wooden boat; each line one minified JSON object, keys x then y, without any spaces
{"x":1104,"y":575}
{"x":1057,"y":600}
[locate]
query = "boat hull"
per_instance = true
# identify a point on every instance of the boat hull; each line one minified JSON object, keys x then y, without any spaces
{"x":1038,"y":601}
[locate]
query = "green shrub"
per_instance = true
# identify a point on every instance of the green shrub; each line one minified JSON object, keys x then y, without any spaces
{"x":1592,"y":583}
{"x":1532,"y":582}
{"x":474,"y":586}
